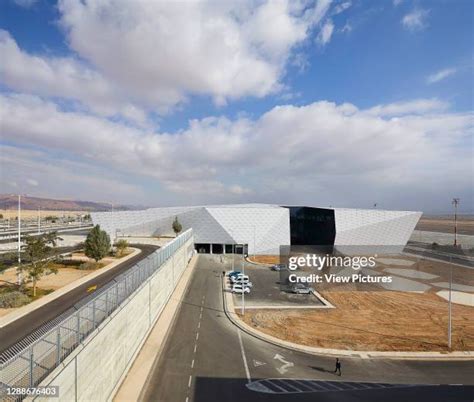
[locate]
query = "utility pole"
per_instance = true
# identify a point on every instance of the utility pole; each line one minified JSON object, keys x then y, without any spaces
{"x":455,"y":202}
{"x":18,"y":272}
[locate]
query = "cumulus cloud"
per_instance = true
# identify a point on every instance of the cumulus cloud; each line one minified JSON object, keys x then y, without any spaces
{"x":163,"y":52}
{"x":415,"y":20}
{"x":63,"y":77}
{"x":312,"y":150}
{"x":440,"y":75}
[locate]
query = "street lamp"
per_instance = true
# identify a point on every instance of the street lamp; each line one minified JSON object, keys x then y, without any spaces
{"x":455,"y":202}
{"x":19,"y":276}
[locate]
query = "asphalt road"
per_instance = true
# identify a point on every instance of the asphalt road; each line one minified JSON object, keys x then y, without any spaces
{"x":18,"y":329}
{"x":207,"y":358}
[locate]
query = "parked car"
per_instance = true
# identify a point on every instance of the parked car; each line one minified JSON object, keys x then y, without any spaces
{"x":301,"y":288}
{"x":278,"y":267}
{"x":242,"y":282}
{"x":240,"y":278}
{"x":234,"y":273}
{"x":238,"y":288}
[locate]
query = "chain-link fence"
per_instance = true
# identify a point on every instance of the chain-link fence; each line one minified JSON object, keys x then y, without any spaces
{"x":31,"y":363}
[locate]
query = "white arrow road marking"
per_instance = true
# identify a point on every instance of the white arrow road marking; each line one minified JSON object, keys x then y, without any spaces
{"x":286,"y":364}
{"x":257,"y":363}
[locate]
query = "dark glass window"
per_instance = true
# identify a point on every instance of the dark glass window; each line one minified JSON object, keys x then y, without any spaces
{"x":312,"y":226}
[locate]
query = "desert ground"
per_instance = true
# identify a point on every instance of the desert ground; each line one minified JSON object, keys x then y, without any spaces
{"x":382,"y":321}
{"x":29,"y":214}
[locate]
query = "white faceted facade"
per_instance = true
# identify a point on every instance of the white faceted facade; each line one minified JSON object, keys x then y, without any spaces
{"x":262,"y":228}
{"x":374,"y":227}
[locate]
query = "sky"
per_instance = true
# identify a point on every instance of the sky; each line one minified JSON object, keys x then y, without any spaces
{"x":343,"y":103}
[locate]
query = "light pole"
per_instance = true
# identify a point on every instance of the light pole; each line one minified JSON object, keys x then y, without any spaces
{"x":39,"y":220}
{"x":455,"y":202}
{"x":18,"y":271}
{"x":243,"y":288}
{"x":254,"y":247}
{"x":450,"y":308}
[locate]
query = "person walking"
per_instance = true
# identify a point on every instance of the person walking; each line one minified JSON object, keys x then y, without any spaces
{"x":338,"y":367}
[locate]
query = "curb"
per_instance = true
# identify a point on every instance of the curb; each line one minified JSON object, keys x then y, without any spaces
{"x":22,"y":311}
{"x":233,"y":317}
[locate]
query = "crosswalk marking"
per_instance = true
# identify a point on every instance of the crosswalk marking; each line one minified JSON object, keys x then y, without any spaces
{"x":293,"y":386}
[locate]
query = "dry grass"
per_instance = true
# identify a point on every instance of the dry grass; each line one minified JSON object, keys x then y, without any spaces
{"x":265,"y":259}
{"x":384,"y":321}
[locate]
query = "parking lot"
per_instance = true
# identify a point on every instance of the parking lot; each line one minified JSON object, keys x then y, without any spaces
{"x":266,"y":290}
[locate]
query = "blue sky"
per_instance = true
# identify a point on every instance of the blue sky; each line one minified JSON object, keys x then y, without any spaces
{"x":216,"y":103}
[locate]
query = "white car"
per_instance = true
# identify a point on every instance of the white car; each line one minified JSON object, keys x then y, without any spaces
{"x":238,"y":288}
{"x":243,"y":282}
{"x":239,"y":278}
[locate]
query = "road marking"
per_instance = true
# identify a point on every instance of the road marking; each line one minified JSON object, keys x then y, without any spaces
{"x":286,"y":364}
{"x":199,"y":324}
{"x":294,"y":386}
{"x":195,"y":347}
{"x":247,"y":371}
{"x":189,"y":382}
{"x":192,"y":364}
{"x":91,"y":288}
{"x":257,"y":363}
{"x":197,"y":335}
{"x":187,"y":399}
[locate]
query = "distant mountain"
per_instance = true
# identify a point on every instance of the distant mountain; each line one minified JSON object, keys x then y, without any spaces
{"x":10,"y":201}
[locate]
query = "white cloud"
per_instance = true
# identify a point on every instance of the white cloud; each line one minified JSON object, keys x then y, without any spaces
{"x":341,"y":7}
{"x":417,"y":106}
{"x":412,"y":148}
{"x":163,"y":52}
{"x":440,"y":75}
{"x":325,"y":34}
{"x":396,"y":3}
{"x":32,"y":182}
{"x":63,"y":77}
{"x":25,"y":3}
{"x":416,"y":19}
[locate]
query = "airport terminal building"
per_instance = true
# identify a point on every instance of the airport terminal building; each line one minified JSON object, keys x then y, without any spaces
{"x":263,"y":228}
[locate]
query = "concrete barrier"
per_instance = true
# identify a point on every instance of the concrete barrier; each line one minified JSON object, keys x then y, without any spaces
{"x":94,"y":369}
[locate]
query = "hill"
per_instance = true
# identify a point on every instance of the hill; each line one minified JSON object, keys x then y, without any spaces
{"x":10,"y":201}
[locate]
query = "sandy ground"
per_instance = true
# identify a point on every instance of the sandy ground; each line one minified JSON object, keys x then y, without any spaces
{"x":26,"y":214}
{"x":65,"y":276}
{"x":384,"y":321}
{"x":265,"y":259}
{"x":465,"y":225}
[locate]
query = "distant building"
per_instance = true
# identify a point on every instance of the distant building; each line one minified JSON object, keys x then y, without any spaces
{"x":263,"y":228}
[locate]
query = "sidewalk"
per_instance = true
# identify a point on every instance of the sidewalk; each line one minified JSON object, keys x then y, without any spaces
{"x":136,"y":379}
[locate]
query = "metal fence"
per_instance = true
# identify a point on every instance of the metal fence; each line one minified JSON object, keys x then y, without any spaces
{"x":27,"y":365}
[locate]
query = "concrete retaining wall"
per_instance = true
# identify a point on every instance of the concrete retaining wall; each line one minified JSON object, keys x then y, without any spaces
{"x":95,"y":369}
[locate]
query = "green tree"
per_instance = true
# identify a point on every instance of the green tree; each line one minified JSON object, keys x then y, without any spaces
{"x":97,"y":244}
{"x":121,"y":245}
{"x":177,"y":226}
{"x":1,"y":216}
{"x":37,"y":251}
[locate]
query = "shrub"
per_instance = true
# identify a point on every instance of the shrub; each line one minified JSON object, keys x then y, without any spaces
{"x":121,"y":246}
{"x":87,"y":266}
{"x":13,"y":299}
